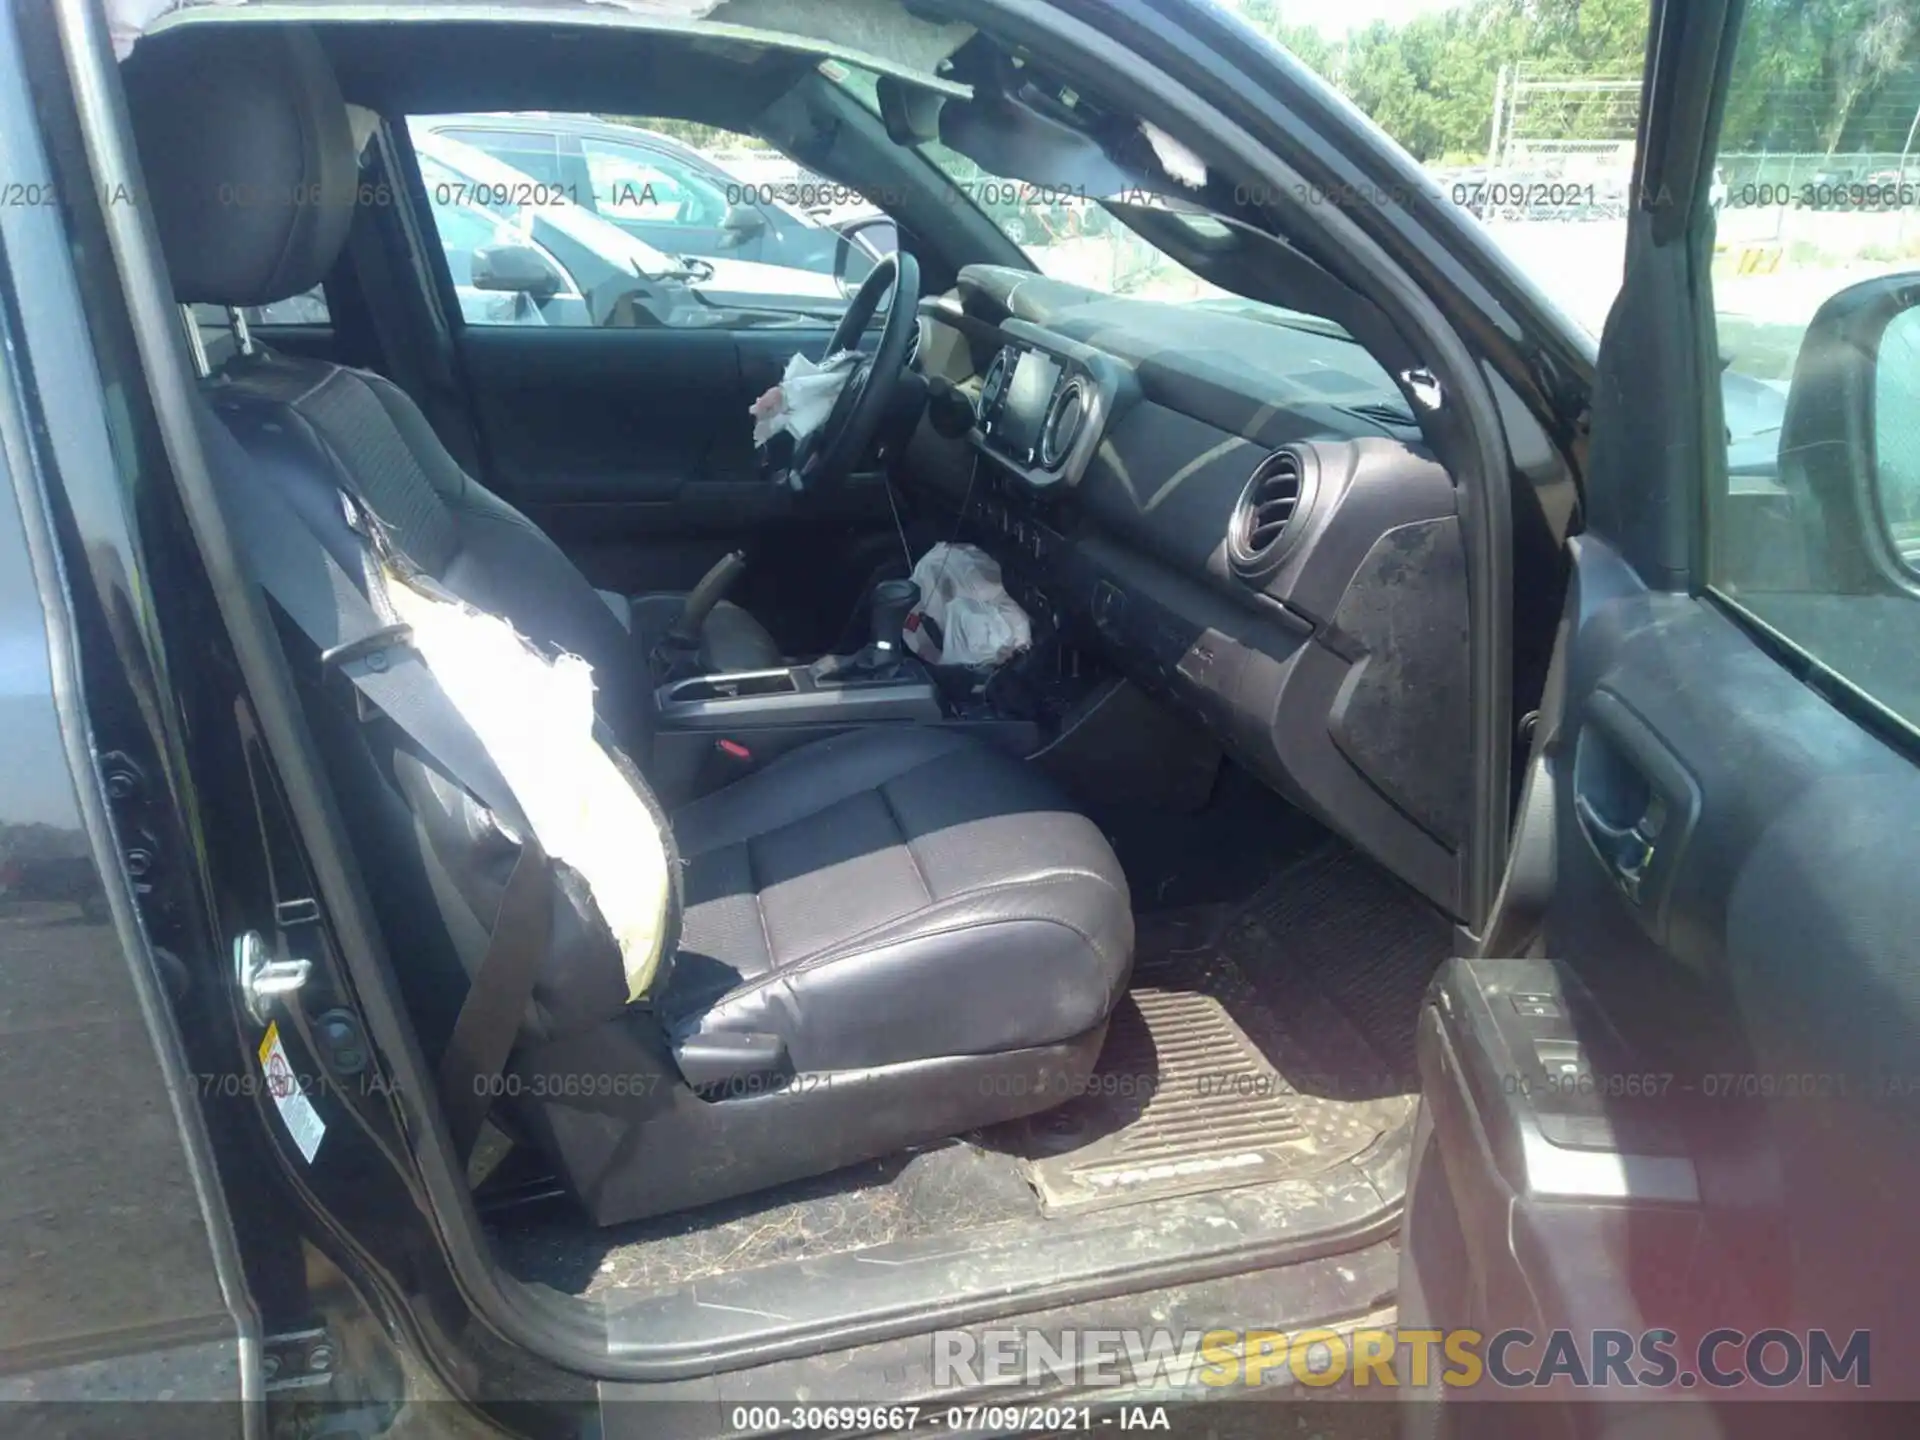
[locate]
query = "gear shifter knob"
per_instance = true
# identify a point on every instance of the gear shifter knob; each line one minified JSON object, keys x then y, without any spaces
{"x":892,"y":599}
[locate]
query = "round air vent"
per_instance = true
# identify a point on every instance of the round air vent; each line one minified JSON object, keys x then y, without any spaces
{"x":1066,"y":412}
{"x":994,"y":381}
{"x":1265,"y":521}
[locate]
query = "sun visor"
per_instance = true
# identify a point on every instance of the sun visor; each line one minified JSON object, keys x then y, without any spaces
{"x":1014,"y":141}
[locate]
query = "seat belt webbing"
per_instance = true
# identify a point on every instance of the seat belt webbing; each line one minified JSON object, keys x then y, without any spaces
{"x":490,"y":1017}
{"x":296,"y":569}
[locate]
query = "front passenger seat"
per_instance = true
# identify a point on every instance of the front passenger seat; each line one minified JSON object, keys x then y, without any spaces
{"x":912,"y":932}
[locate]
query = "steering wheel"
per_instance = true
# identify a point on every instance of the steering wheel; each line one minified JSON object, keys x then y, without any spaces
{"x":827,"y":455}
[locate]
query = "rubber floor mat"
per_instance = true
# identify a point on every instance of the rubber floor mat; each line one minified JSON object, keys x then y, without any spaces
{"x":1262,"y":1041}
{"x":1337,"y":937}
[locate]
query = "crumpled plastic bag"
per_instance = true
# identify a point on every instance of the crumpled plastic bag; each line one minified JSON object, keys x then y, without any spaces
{"x":977,"y":621}
{"x":803,"y":399}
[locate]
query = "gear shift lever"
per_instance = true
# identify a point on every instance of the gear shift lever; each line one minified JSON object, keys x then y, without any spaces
{"x":892,"y":599}
{"x":677,"y":654}
{"x":880,"y":659}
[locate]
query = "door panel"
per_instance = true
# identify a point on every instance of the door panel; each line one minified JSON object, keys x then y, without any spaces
{"x":632,"y":448}
{"x":1709,"y":1122}
{"x":1694,"y":1107}
{"x":1776,"y":969}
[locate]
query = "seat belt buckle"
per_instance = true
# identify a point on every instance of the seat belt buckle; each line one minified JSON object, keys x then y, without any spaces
{"x":367,"y":648}
{"x":372,"y":651}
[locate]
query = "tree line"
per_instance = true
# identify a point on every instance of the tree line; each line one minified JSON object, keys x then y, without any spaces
{"x":1824,"y":76}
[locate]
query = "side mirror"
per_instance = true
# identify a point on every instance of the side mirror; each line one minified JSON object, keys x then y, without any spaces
{"x":740,"y":224}
{"x":862,"y":245}
{"x":1896,"y":436}
{"x":879,"y":237}
{"x":1850,"y":440}
{"x":519,"y":268}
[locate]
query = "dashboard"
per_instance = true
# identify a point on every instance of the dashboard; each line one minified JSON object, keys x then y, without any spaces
{"x":1235,"y":508}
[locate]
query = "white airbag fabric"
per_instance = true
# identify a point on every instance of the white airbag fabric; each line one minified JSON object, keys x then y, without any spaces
{"x":979,"y":622}
{"x":803,"y":399}
{"x":535,"y":718}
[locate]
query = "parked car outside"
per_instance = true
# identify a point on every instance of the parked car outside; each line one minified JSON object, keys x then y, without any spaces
{"x":668,"y":194}
{"x":599,"y":264}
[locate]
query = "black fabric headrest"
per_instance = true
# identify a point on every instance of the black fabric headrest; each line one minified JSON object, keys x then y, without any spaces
{"x":248,"y":157}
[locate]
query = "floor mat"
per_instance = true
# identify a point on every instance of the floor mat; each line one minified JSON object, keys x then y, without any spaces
{"x":1343,"y":952}
{"x":1264,"y":1041}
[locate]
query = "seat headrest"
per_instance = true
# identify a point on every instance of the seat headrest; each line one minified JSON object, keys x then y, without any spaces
{"x":248,"y":157}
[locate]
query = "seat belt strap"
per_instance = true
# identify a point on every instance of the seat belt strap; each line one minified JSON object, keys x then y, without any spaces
{"x":496,"y":1002}
{"x":297,"y":570}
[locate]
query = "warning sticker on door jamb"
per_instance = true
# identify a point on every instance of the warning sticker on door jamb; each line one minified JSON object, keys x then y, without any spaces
{"x":302,"y":1120}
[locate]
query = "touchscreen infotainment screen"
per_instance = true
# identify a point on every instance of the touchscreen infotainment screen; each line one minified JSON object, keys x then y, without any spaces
{"x":1025,"y":409}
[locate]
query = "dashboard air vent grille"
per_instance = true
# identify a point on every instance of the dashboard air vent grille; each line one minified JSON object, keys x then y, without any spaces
{"x":1277,"y":492}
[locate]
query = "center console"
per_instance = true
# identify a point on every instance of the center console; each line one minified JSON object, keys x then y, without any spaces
{"x":1043,"y":405}
{"x":710,"y":729}
{"x":793,"y":696}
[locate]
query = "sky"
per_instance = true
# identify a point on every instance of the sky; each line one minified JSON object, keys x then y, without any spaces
{"x":1333,"y":18}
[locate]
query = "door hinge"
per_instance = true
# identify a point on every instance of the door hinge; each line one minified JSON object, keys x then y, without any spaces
{"x":297,"y":1360}
{"x":264,"y":980}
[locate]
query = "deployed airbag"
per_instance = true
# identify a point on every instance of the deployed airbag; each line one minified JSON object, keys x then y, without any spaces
{"x":535,"y":717}
{"x":965,"y":615}
{"x":803,"y":399}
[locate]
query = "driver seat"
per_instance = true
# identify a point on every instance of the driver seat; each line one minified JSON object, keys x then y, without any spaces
{"x":912,"y":932}
{"x":474,"y":543}
{"x":477,"y":544}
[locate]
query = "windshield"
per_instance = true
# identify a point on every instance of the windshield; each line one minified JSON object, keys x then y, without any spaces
{"x":1068,"y":235}
{"x":1524,"y":112}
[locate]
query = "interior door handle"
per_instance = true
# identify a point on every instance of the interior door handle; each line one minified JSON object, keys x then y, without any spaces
{"x":1636,"y":804}
{"x":1626,"y":850}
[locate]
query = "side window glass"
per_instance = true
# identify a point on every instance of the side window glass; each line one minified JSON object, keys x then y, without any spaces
{"x":483,"y":216}
{"x":1815,"y":204}
{"x":1896,"y":434}
{"x":655,"y":229}
{"x":629,"y":183}
{"x":534,"y":155}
